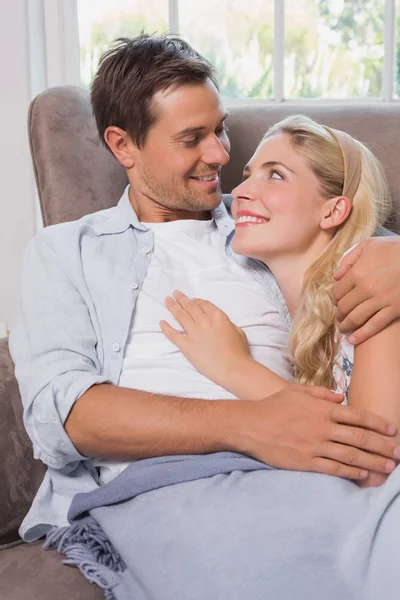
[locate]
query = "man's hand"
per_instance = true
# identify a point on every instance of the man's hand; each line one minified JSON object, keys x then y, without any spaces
{"x":296,"y":431}
{"x":368,"y":289}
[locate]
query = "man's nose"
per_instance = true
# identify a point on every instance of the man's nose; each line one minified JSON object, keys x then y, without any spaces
{"x":217,"y":153}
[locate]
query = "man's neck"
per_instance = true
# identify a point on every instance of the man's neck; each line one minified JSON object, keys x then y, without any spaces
{"x":150,"y":211}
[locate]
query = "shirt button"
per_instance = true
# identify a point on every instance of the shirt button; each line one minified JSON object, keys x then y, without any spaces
{"x":145,"y":250}
{"x":116,"y":347}
{"x":134,"y":285}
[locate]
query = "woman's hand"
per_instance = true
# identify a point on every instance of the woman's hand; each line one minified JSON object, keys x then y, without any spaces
{"x":211,"y":342}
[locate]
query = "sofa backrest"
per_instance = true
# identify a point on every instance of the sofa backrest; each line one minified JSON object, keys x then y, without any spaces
{"x":76,"y":175}
{"x":376,"y":125}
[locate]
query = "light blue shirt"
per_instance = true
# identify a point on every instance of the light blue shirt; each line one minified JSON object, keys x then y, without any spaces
{"x":79,"y":284}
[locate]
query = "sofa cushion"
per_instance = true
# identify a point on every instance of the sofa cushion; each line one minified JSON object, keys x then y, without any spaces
{"x":20,"y":474}
{"x":27,"y":572}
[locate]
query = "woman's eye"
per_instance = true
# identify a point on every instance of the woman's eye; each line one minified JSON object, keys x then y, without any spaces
{"x":276,"y":175}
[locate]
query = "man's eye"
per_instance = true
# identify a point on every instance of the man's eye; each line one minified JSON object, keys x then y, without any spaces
{"x":277,"y":173}
{"x":192,"y":141}
{"x":223,"y":129}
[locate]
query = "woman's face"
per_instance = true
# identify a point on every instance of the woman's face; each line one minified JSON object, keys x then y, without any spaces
{"x":278,"y":207}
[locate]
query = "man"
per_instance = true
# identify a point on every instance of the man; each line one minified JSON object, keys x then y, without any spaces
{"x":99,"y":382}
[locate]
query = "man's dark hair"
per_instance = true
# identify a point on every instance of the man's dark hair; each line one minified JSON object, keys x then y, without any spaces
{"x":132,"y":71}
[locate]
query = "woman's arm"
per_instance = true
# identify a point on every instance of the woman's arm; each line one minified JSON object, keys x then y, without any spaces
{"x":375,"y":380}
{"x":252,"y":381}
{"x":218,"y":349}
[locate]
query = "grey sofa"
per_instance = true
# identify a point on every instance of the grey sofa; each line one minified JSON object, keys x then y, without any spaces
{"x":75,"y":175}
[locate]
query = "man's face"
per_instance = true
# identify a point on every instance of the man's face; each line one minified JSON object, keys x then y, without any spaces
{"x":178,"y":168}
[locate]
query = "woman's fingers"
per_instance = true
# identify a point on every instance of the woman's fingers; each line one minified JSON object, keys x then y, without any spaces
{"x":195,"y":308}
{"x":174,"y":336}
{"x":188,"y":312}
{"x":188,"y":304}
{"x":207,"y":307}
{"x":180,"y":314}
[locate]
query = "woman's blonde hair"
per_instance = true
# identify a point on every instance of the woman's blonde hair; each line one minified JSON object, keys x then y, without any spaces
{"x":343,"y":167}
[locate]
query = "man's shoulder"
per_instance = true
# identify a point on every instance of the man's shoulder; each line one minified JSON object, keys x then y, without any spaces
{"x":384,"y":232}
{"x":61,"y":233}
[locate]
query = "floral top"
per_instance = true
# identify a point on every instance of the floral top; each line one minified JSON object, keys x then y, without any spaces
{"x":345,"y":358}
{"x":344,"y":367}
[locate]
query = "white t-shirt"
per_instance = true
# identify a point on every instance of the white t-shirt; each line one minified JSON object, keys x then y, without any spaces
{"x":191,"y":256}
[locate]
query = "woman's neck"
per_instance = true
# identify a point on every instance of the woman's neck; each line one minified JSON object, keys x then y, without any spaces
{"x":289,"y":270}
{"x":289,"y":276}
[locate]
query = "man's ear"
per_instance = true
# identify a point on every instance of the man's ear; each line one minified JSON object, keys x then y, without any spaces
{"x":335,"y":212}
{"x":120,"y":145}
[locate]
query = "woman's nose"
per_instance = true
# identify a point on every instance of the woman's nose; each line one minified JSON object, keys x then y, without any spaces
{"x":242,"y":191}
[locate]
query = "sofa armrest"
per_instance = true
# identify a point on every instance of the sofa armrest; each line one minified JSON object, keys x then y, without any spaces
{"x":20,"y":474}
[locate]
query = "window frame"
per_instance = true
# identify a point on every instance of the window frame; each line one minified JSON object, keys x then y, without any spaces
{"x":63,"y":63}
{"x":62,"y":56}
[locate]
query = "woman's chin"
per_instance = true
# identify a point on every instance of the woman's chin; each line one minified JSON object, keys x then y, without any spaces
{"x":238,"y":247}
{"x":245,"y":249}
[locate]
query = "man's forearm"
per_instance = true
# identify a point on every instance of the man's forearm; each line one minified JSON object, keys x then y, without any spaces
{"x":121,"y":423}
{"x":288,"y":430}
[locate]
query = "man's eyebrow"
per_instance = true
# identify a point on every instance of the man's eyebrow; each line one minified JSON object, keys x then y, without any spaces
{"x":268,"y":165}
{"x":190,"y":130}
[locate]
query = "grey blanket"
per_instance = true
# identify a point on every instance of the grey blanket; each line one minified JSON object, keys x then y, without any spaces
{"x":226,"y":527}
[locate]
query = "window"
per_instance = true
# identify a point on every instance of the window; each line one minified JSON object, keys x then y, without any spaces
{"x":334,"y":49}
{"x":265,"y":49}
{"x":102,"y":21}
{"x":239,"y":42}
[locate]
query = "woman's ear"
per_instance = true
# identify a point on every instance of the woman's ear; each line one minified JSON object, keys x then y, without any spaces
{"x":120,"y":145}
{"x":335,"y":212}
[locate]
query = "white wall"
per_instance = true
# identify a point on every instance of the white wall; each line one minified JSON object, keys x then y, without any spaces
{"x":17,"y":191}
{"x":39,"y":48}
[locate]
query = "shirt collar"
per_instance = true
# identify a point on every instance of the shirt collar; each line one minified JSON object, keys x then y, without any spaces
{"x":124,"y":216}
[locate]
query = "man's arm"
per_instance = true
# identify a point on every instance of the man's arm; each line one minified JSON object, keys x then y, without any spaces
{"x":368,"y":288}
{"x":120,"y":423}
{"x":290,"y":429}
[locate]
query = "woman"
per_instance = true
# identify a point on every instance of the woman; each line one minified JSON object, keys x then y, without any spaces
{"x":309,"y":194}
